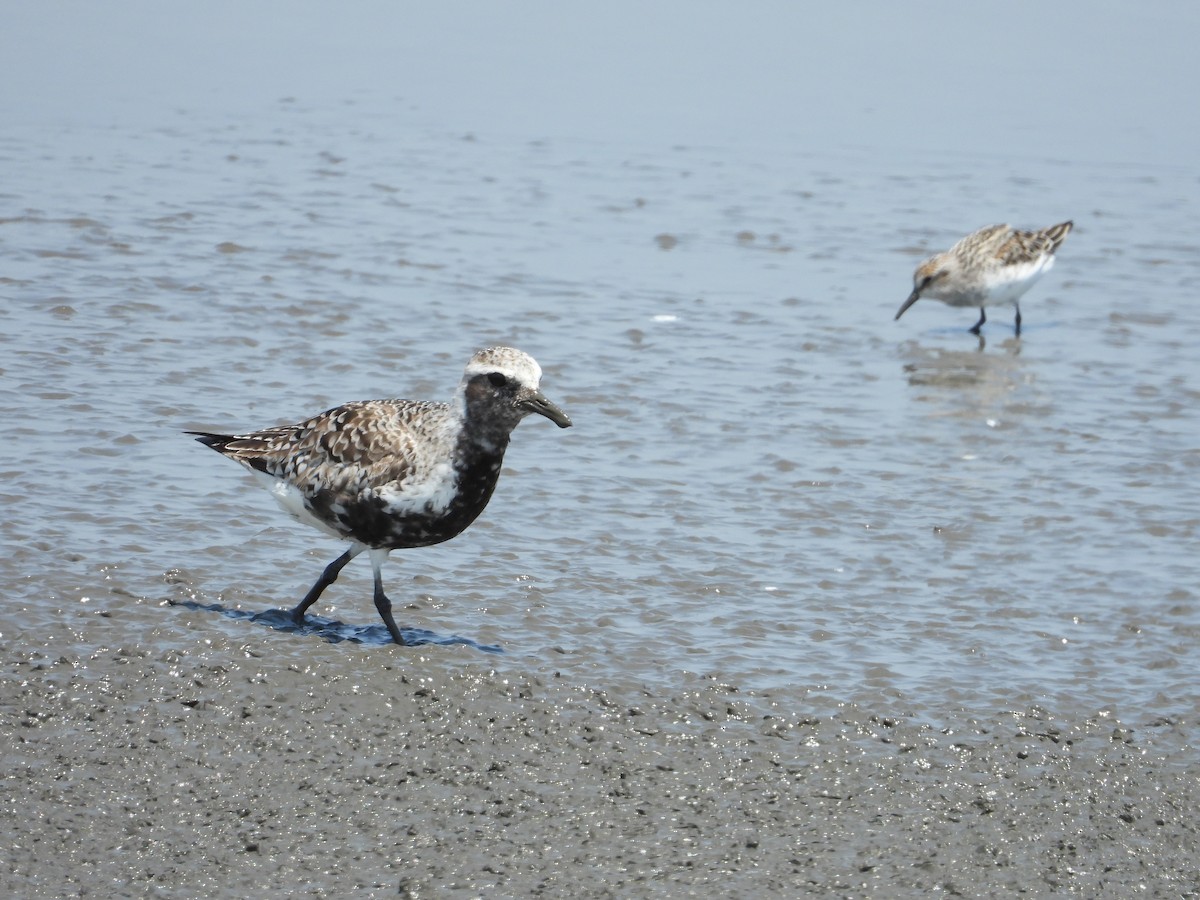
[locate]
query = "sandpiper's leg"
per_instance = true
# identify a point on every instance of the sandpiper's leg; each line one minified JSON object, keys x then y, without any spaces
{"x":979,"y":324}
{"x":382,"y":603}
{"x":328,"y":577}
{"x":1018,"y":320}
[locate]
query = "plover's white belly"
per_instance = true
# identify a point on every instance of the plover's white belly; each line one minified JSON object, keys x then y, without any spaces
{"x":292,"y":500}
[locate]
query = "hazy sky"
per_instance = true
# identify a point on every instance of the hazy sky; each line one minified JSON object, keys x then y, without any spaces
{"x":1104,"y":82}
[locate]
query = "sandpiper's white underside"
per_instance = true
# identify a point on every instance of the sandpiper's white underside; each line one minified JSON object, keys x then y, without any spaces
{"x":1001,"y":286}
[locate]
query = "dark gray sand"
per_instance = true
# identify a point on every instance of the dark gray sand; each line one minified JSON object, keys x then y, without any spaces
{"x":424,"y":772}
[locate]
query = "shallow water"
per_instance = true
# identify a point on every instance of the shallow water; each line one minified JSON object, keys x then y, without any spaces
{"x":770,"y":481}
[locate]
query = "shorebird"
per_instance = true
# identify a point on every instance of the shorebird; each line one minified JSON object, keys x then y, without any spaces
{"x":991,"y":267}
{"x":392,"y":474}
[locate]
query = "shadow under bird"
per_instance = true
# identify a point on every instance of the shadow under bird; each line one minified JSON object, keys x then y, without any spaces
{"x":993,"y":266}
{"x":392,"y":474}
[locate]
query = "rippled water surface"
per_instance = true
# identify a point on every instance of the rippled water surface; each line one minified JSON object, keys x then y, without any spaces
{"x":769,"y":481}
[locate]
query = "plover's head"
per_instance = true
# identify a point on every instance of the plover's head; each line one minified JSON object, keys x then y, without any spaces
{"x":501,"y":385}
{"x":925,"y":280}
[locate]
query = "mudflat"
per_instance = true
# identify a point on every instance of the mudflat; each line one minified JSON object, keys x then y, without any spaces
{"x":222,"y":770}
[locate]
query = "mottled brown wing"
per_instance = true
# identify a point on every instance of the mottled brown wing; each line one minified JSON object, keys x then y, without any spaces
{"x":1027,"y":245}
{"x":1056,"y":234}
{"x":986,"y":243}
{"x":350,"y":447}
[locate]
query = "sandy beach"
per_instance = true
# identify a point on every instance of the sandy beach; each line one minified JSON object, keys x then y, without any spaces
{"x":381,"y":771}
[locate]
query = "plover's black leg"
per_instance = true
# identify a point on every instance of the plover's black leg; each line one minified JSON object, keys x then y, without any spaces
{"x":979,"y":324}
{"x":328,"y":577}
{"x":1018,"y":320}
{"x":382,"y":603}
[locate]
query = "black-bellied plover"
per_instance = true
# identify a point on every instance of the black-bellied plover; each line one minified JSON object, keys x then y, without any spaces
{"x":393,"y":474}
{"x":993,"y":266}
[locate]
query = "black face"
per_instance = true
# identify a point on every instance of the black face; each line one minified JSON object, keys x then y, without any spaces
{"x":508,"y":400}
{"x":495,"y":389}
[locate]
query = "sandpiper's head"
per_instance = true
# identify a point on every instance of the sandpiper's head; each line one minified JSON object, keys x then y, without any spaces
{"x":501,"y":384}
{"x":925,"y":279}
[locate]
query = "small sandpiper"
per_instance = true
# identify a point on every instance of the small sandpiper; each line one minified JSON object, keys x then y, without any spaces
{"x":991,"y":267}
{"x":393,"y":474}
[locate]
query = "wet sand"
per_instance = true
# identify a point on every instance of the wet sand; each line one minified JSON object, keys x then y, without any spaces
{"x":217,"y":769}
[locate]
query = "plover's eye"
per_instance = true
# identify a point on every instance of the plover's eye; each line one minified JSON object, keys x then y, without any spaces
{"x":497,"y":379}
